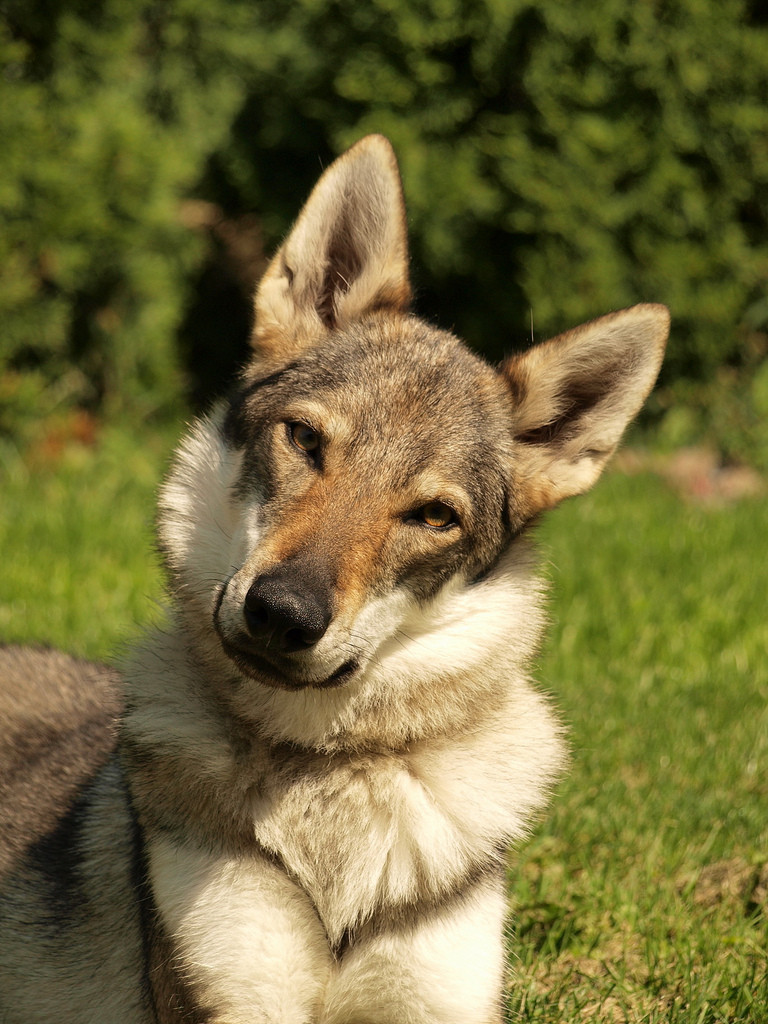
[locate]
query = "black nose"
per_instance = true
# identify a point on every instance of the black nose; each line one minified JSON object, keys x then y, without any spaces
{"x":287,"y":609}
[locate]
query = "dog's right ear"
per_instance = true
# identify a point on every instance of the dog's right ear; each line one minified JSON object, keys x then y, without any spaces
{"x":346,"y":255}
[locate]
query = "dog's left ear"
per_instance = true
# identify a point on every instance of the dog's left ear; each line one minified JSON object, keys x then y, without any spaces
{"x":573,"y":396}
{"x":346,"y":255}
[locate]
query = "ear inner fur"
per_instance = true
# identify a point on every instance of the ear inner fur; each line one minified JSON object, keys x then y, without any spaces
{"x":573,"y":396}
{"x":346,"y":255}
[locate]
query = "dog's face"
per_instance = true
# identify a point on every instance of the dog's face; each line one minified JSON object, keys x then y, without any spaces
{"x":369,"y":463}
{"x":376,"y":469}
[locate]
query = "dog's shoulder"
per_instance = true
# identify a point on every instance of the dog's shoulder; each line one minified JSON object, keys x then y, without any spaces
{"x":59,"y":719}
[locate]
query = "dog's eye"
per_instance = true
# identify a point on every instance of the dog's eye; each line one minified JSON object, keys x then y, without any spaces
{"x":304,"y":437}
{"x":436,"y":514}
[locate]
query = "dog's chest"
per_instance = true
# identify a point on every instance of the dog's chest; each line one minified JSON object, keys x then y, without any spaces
{"x":353,"y":848}
{"x":377,"y":833}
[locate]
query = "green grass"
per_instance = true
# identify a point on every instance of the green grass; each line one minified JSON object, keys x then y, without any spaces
{"x":643,"y":896}
{"x":640,"y":898}
{"x":76,"y":541}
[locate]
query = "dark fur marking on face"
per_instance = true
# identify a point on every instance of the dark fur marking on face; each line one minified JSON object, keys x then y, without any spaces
{"x":234,"y":429}
{"x":515,"y":528}
{"x":301,"y":378}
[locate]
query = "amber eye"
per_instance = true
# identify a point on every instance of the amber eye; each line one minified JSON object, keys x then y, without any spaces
{"x":436,"y":514}
{"x":304,"y":437}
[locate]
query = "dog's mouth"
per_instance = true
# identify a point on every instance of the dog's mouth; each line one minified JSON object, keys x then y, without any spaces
{"x":254,"y":664}
{"x":290,"y":669}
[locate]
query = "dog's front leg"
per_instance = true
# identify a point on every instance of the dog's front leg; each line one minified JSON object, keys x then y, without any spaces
{"x":445,"y":967}
{"x":248,"y":943}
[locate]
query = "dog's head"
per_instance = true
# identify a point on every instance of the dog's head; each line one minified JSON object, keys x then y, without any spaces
{"x":369,"y":465}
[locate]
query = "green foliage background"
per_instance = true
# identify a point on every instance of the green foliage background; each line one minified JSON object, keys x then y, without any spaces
{"x":559,"y":159}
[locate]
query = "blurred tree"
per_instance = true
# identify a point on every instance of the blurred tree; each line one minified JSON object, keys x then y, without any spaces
{"x":108,"y":112}
{"x":558,"y":160}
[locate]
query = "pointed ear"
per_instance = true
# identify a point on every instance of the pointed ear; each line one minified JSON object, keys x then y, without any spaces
{"x":573,"y":397}
{"x":346,"y":255}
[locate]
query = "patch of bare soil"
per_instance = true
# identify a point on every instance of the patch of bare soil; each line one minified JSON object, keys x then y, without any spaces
{"x":698,"y":474}
{"x":732,"y":881}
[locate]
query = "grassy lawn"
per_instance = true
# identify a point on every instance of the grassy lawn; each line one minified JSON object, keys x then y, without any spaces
{"x":76,"y":536}
{"x":644,"y":895}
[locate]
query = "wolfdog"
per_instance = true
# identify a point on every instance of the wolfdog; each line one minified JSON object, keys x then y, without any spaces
{"x":295,"y":805}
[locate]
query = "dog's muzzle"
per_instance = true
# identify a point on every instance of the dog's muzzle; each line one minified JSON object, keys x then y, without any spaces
{"x":285,"y":613}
